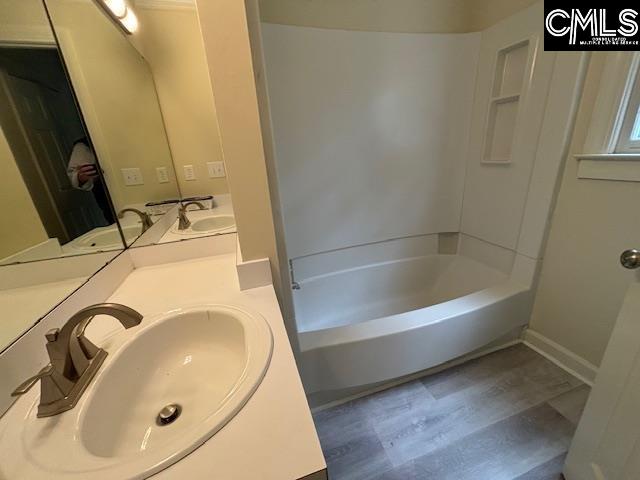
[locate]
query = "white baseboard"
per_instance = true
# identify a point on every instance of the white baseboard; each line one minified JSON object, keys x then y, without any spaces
{"x":565,"y":359}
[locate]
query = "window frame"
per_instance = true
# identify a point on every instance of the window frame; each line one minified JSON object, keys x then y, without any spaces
{"x":629,"y":115}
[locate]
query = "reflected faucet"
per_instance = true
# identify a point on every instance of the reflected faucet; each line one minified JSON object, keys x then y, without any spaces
{"x":183,"y":220}
{"x":73,"y":359}
{"x":145,"y":218}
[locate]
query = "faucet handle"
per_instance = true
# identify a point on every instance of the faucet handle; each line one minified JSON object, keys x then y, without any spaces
{"x":25,"y":386}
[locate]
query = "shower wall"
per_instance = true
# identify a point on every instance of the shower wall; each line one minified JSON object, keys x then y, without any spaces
{"x":383,"y":136}
{"x":524,"y":103}
{"x":370,"y":132}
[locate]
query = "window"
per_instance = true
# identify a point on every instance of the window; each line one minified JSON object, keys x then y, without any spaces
{"x":629,"y":133}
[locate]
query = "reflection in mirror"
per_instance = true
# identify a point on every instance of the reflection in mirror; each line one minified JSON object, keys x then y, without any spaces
{"x":56,"y":200}
{"x":29,"y":291}
{"x":116,"y":93}
{"x":147,"y":102}
{"x":58,"y":224}
{"x":172,"y":44}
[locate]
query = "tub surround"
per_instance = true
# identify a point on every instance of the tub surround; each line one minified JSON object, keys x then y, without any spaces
{"x":433,"y":258}
{"x":273,"y":436}
{"x":389,"y":133}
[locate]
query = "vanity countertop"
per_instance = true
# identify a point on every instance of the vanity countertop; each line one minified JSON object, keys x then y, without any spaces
{"x":273,"y":436}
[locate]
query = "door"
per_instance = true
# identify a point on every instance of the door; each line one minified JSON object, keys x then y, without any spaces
{"x":44,"y":163}
{"x":607,"y":442}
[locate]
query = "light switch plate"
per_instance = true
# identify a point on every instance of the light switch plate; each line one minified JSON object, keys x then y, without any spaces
{"x":132,"y":176}
{"x":189,"y":172}
{"x":163,"y":174}
{"x":215,"y":169}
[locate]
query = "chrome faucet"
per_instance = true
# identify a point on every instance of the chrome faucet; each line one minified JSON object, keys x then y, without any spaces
{"x":73,"y":359}
{"x":183,"y":220}
{"x":145,"y":218}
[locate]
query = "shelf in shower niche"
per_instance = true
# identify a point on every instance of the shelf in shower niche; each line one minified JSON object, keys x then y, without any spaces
{"x":510,"y":70}
{"x":502,"y":118}
{"x":503,"y":115}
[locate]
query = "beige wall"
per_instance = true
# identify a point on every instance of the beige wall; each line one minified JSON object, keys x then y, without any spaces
{"x":582,"y":283}
{"x":229,"y":56}
{"x":433,"y":16}
{"x":19,"y":223}
{"x":484,"y":13}
{"x":118,"y":101}
{"x":172,"y":44}
{"x":24,"y":20}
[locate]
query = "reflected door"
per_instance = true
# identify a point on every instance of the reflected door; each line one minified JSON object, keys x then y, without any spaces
{"x":75,"y":212}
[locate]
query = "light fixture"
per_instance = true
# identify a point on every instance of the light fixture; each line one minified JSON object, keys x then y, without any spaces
{"x":121,"y":13}
{"x":117,"y":7}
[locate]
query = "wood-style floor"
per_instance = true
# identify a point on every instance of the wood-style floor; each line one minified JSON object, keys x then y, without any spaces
{"x":507,"y":416}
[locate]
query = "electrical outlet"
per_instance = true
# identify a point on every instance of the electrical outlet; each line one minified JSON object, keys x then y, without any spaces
{"x":216,"y":169}
{"x":163,"y":174}
{"x":132,"y":176}
{"x":189,"y":172}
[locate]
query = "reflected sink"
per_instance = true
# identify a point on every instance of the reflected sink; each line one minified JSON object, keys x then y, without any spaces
{"x":213,"y":224}
{"x":104,"y":238}
{"x":204,"y":361}
{"x":208,"y":225}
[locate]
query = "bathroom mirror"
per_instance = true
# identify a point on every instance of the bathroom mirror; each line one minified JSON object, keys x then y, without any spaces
{"x":56,"y":201}
{"x":117,"y":96}
{"x":58,"y":227}
{"x":147,"y":100}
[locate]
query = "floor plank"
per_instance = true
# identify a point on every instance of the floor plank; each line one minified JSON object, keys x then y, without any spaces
{"x":503,"y":450}
{"x":493,"y":398}
{"x":497,"y":417}
{"x":551,"y":470}
{"x":477,"y":371}
{"x":571,"y":404}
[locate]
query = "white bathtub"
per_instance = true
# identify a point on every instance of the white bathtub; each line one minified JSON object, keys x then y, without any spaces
{"x":377,"y":322}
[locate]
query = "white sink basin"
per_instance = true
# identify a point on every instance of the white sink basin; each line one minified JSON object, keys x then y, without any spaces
{"x":208,"y":225}
{"x":207,"y":360}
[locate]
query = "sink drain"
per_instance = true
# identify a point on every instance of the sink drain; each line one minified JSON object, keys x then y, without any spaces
{"x":168,"y":414}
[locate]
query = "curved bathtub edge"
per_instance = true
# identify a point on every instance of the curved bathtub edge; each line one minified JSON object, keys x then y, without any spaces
{"x":398,"y":345}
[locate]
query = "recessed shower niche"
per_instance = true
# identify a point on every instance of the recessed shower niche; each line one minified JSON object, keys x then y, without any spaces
{"x":512,"y":65}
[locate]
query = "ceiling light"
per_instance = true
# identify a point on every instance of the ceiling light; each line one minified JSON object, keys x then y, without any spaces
{"x":117,"y":7}
{"x":120,"y":12}
{"x":130,"y":21}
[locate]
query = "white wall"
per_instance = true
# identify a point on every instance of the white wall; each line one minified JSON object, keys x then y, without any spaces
{"x":582,"y":284}
{"x":377,"y":151}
